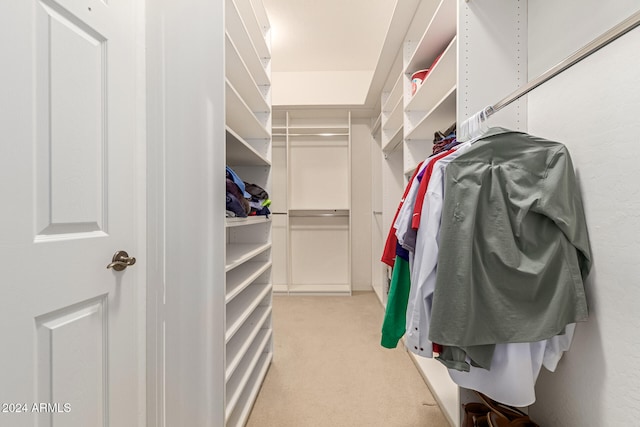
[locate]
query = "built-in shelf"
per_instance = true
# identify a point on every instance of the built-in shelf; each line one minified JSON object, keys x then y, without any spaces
{"x":241,"y":119}
{"x":237,"y":31}
{"x":313,"y":164}
{"x":248,"y":265}
{"x":243,"y":276}
{"x":441,"y":29}
{"x":251,"y":220}
{"x":239,"y":253}
{"x":439,"y":118}
{"x":430,"y":42}
{"x":241,"y":153}
{"x":394,"y":141}
{"x":256,"y":32}
{"x":244,"y":403}
{"x":244,"y":373}
{"x":320,"y":288}
{"x":438,"y":82}
{"x":242,"y":306}
{"x":253,"y":330}
{"x":240,"y":77}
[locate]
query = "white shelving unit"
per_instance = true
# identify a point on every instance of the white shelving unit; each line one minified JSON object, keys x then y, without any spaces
{"x":248,"y":264}
{"x":406,"y":142}
{"x":313,"y":151}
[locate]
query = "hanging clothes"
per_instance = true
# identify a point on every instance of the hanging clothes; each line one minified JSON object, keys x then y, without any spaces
{"x":514,"y":246}
{"x":507,"y":189}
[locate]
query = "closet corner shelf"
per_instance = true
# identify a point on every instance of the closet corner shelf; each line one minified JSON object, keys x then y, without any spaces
{"x":439,"y":118}
{"x":394,"y":141}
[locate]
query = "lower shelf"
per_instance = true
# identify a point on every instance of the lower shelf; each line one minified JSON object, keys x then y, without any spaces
{"x":247,"y":379}
{"x":280,"y":288}
{"x":321,"y":288}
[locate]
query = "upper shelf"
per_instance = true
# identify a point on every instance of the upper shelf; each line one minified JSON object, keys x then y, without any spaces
{"x":257,"y":31}
{"x":241,"y":119}
{"x":438,"y":119}
{"x":241,"y":77}
{"x":240,"y":153}
{"x":438,"y":82}
{"x":441,"y":29}
{"x":256,"y":61}
{"x":394,"y":96}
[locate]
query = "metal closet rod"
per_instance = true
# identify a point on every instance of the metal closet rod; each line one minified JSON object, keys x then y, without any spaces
{"x":604,"y":39}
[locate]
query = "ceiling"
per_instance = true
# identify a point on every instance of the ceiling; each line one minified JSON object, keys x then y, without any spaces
{"x":327,"y":35}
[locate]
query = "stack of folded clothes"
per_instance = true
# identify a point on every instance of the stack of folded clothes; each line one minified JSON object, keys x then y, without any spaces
{"x":444,"y":140}
{"x":244,"y":199}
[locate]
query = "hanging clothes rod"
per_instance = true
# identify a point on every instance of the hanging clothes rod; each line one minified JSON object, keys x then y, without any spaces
{"x":604,"y":39}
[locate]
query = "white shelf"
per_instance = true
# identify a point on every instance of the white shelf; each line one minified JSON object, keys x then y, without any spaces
{"x":394,"y":96}
{"x":320,"y":288}
{"x":280,"y":288}
{"x":394,"y":121}
{"x":242,"y":306}
{"x":238,"y":32}
{"x":440,"y":80}
{"x":240,"y":77}
{"x":256,"y":32}
{"x":241,"y":413}
{"x":394,"y":141}
{"x":248,"y":142}
{"x":254,"y":330}
{"x":241,"y":277}
{"x":318,"y":131}
{"x":241,"y":153}
{"x":251,"y":220}
{"x":239,"y":253}
{"x":439,"y":118}
{"x":238,"y":382}
{"x":241,"y":119}
{"x":441,"y":29}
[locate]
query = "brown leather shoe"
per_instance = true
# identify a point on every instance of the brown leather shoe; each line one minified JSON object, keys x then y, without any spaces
{"x":496,"y":420}
{"x":475,"y":415}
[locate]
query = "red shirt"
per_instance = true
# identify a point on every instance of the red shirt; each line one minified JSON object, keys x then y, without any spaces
{"x":422,"y":190}
{"x":389,"y":253}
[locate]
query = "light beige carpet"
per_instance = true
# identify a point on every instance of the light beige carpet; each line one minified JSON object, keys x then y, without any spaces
{"x":329,"y":369}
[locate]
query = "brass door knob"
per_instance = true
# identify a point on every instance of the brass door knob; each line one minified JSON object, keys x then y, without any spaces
{"x":121,"y":260}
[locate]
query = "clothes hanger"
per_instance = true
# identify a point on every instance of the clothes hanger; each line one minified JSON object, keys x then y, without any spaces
{"x":475,"y":126}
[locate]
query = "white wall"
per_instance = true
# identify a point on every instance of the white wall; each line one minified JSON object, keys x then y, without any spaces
{"x":361,"y":208}
{"x":594,"y":109}
{"x":185,"y":107}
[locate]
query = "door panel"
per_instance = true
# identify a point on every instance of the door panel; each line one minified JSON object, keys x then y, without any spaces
{"x":71,"y":137}
{"x":71,"y":329}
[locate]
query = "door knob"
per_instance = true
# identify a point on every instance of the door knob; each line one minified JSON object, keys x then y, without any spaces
{"x":121,"y":260}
